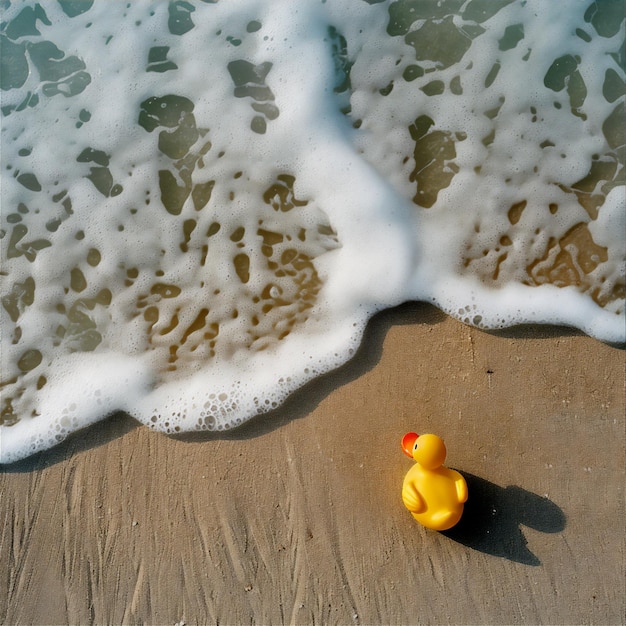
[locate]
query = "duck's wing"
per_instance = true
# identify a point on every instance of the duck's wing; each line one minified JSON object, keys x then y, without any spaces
{"x":412,"y":498}
{"x":461,"y":488}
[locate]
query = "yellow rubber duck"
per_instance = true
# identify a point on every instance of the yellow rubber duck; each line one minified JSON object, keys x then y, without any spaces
{"x":433,"y":493}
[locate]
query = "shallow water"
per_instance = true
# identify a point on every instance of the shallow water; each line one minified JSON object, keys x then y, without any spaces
{"x":204,"y":202}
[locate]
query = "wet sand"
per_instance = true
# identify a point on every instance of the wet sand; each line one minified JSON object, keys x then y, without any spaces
{"x":297,"y":517}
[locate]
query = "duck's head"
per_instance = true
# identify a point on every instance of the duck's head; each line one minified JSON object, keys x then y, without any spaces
{"x":427,"y":450}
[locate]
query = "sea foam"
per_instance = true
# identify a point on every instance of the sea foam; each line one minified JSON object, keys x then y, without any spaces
{"x":203,"y":202}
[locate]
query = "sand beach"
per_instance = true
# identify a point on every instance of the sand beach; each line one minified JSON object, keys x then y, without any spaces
{"x":202,"y":203}
{"x":296,"y":517}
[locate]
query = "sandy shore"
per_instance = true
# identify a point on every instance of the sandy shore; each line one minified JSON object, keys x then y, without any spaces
{"x":297,"y":517}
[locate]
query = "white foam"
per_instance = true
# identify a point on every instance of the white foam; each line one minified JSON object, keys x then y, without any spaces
{"x":308,"y":127}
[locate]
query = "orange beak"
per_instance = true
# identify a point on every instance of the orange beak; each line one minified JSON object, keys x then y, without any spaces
{"x":408,"y":441}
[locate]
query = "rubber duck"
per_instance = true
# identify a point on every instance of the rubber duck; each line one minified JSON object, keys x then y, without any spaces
{"x":433,"y":493}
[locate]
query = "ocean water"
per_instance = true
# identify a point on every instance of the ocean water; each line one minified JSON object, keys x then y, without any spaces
{"x":203,"y":202}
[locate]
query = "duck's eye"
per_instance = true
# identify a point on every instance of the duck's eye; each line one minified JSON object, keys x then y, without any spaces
{"x":415,"y":446}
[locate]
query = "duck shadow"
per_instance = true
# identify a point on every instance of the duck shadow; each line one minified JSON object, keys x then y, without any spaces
{"x":493,"y":515}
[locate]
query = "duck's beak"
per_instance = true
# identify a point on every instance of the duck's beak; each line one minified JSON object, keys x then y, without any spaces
{"x":408,"y":441}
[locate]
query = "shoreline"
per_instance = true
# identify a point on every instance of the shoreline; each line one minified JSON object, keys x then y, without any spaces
{"x":296,"y":516}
